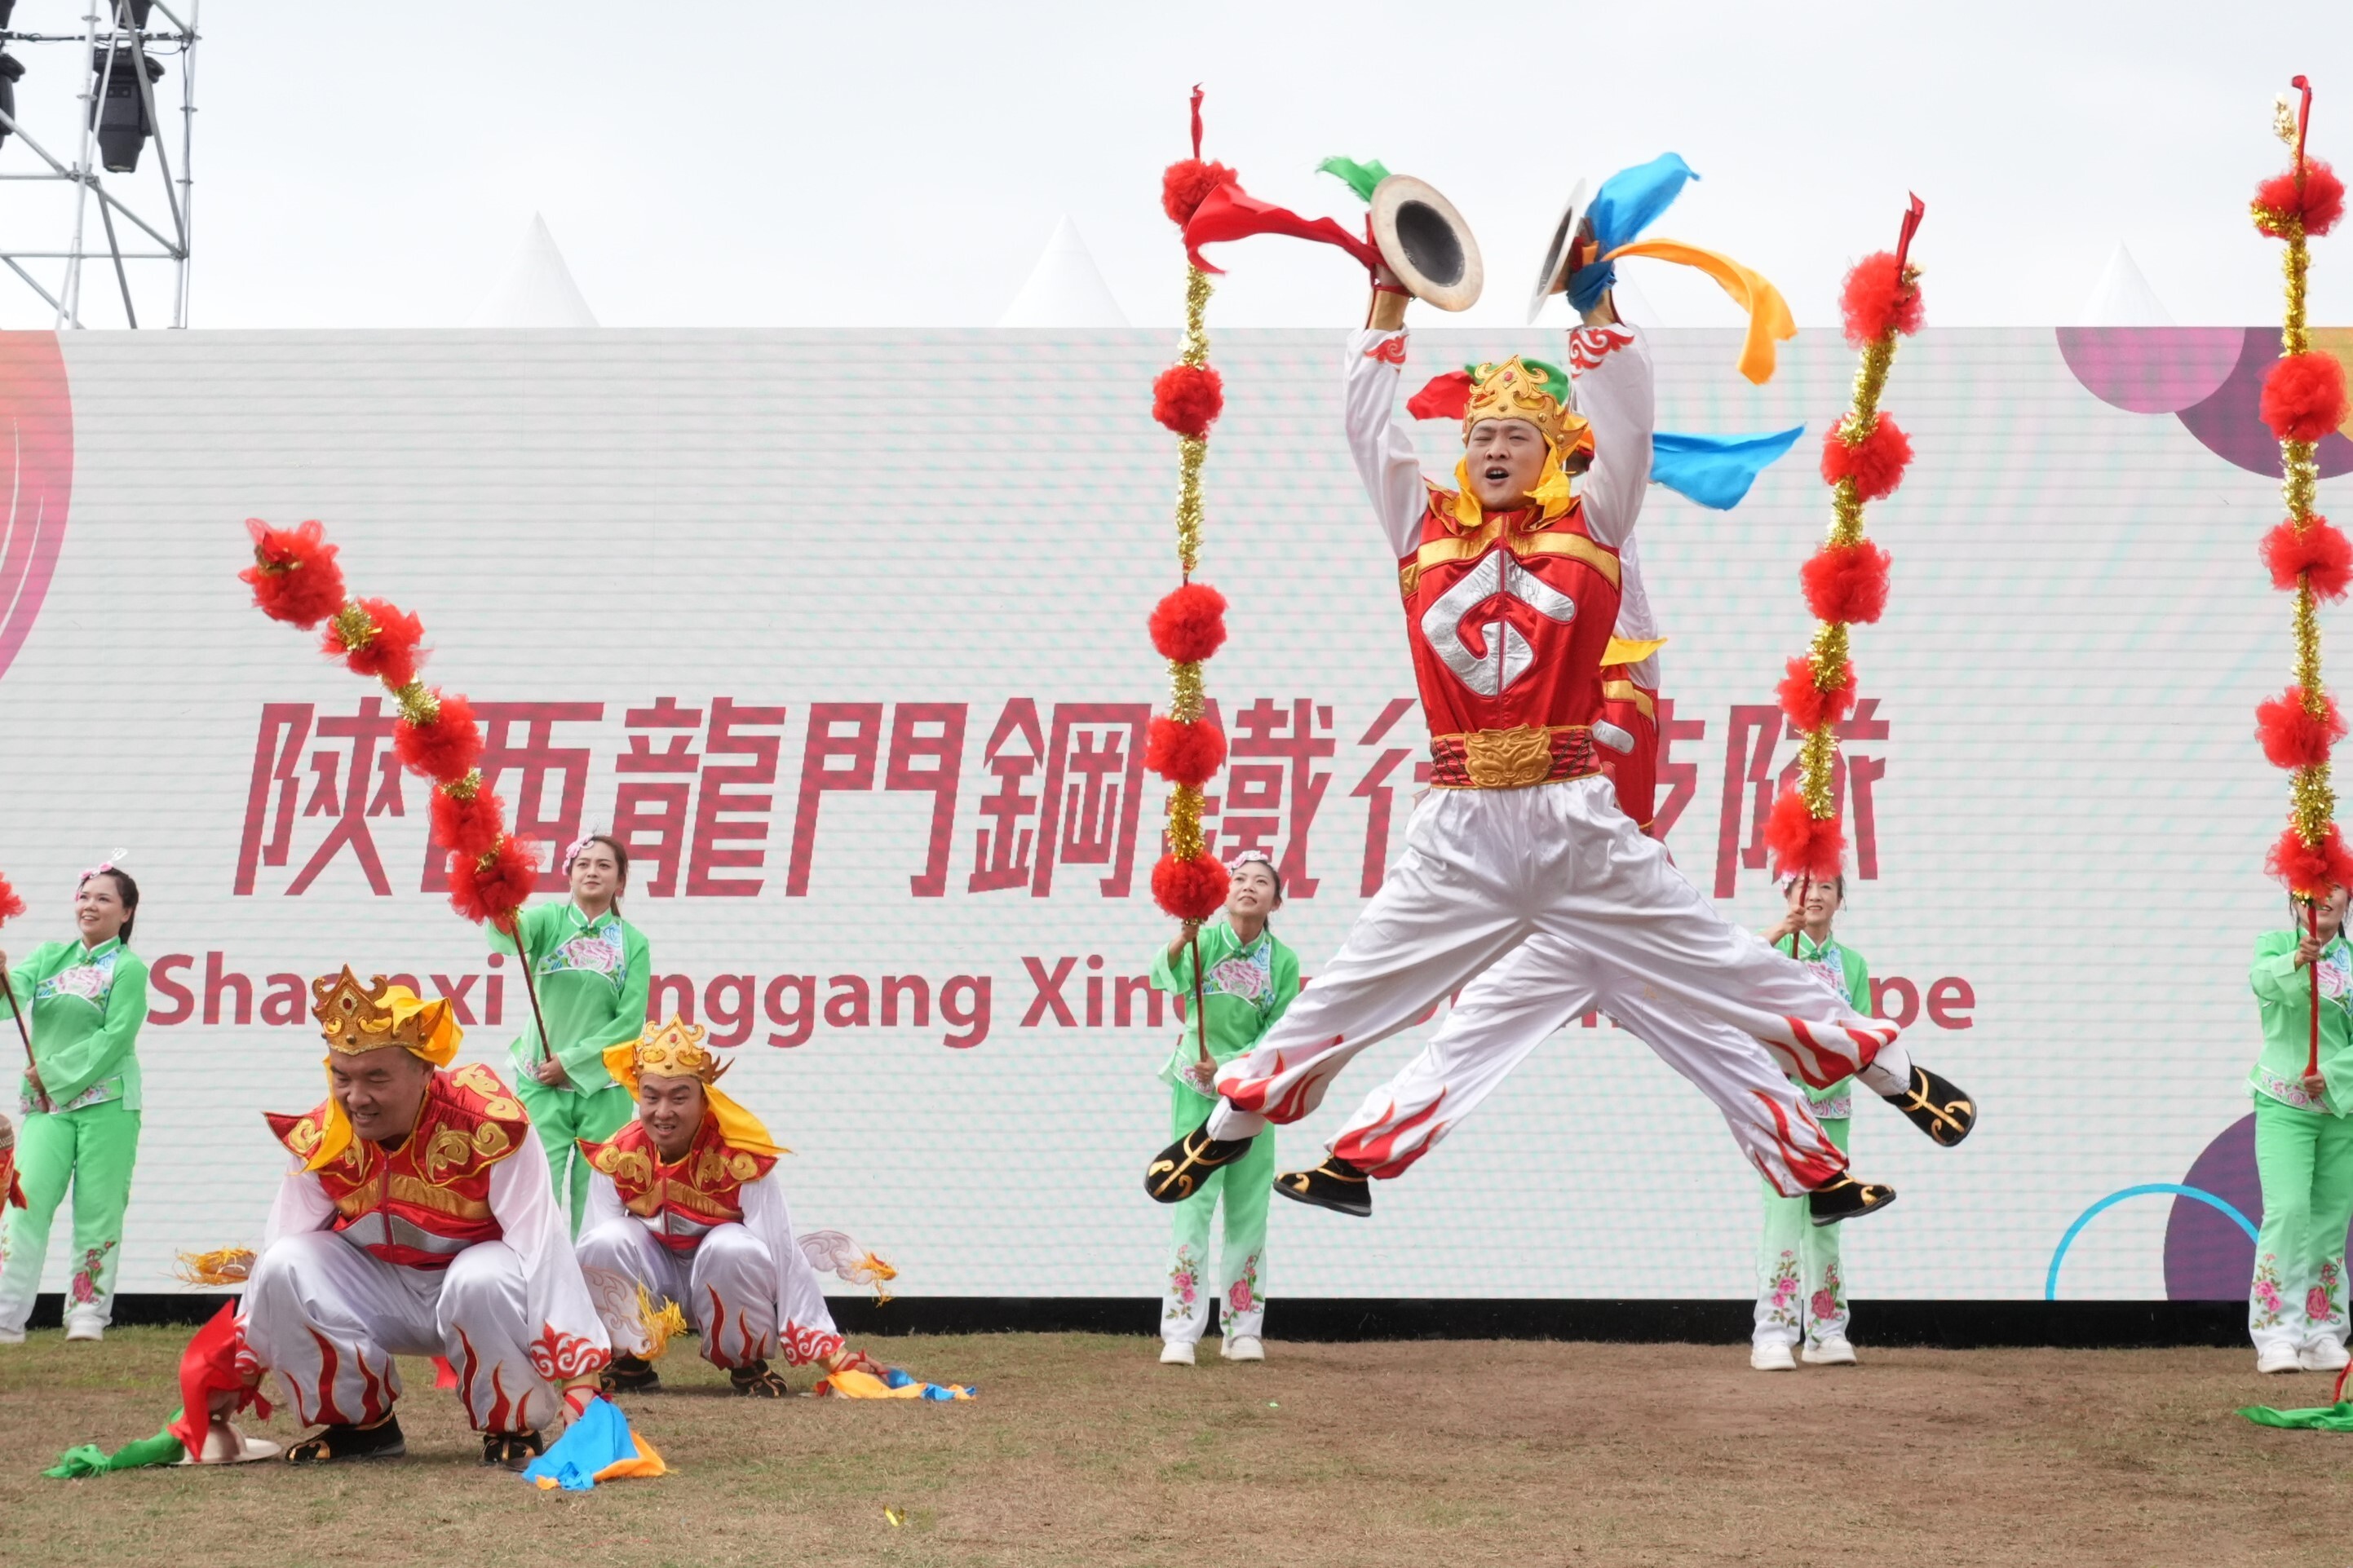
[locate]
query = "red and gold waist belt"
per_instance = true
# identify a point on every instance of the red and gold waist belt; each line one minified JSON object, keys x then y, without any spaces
{"x":1512,"y":758}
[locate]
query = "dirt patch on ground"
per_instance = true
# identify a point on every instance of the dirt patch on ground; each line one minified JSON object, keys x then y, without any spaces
{"x":1083,"y":1450}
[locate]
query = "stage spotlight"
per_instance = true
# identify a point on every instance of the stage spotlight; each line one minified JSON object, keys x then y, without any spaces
{"x":11,"y":68}
{"x":120,"y":114}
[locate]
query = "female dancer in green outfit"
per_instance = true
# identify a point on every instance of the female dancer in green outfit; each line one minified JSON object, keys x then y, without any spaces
{"x":1800,"y":1296}
{"x":2303,"y":1144}
{"x":83,"y":1002}
{"x":1248,"y":978}
{"x":593,"y":971}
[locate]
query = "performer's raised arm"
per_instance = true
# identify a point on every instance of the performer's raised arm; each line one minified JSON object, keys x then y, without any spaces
{"x":1383,"y":450}
{"x":1611,"y":367}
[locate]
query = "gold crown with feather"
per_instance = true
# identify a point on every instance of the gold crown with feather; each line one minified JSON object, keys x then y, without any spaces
{"x":674,"y":1048}
{"x":356,"y":1018}
{"x":1518,"y":389}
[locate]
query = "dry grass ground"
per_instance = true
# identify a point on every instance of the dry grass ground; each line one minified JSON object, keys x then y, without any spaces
{"x":1082,"y":1450}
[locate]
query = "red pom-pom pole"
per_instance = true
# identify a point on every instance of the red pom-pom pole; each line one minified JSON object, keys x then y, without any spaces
{"x":1802,"y":843}
{"x":1187,"y":399}
{"x":1847,"y":583}
{"x":2318,"y":552}
{"x":1185,"y":754}
{"x":2303,"y":396}
{"x":1807,"y":703}
{"x":468,"y":826}
{"x":1875,"y":461}
{"x":1189,"y":624}
{"x":2294,"y":737}
{"x":386,"y":646}
{"x":2311,"y":870}
{"x":1190,"y":889}
{"x":294,"y":577}
{"x":445,"y":747}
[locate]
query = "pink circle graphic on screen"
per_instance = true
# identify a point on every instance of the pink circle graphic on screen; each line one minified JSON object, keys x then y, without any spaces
{"x":36,"y":452}
{"x":2152,"y":370}
{"x":2230,"y":422}
{"x":2207,"y":1257}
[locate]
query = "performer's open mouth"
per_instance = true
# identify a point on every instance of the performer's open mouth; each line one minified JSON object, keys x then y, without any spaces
{"x":1497,"y":473}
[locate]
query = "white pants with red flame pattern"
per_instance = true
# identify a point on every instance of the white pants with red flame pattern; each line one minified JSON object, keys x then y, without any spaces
{"x":328,"y":1319}
{"x":1540,"y":905}
{"x":728,"y":1287}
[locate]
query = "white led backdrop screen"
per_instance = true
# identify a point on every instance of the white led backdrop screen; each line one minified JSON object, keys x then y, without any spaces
{"x":844,"y":632}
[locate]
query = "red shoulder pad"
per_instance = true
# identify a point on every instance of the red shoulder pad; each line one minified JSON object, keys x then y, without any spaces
{"x":472,"y":1121}
{"x":300,"y":1134}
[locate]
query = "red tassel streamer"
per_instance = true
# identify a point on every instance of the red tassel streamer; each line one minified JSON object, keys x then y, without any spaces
{"x":2320,"y":549}
{"x":1189,"y":624}
{"x":2291,"y":737}
{"x":1847,"y":583}
{"x":1809,"y":706}
{"x":446,"y":748}
{"x":294,"y":577}
{"x":493,"y":893}
{"x":2319,"y":201}
{"x":1188,"y":398}
{"x":2303,"y":396}
{"x":1185,"y":754}
{"x":1189,"y":889}
{"x":1802,"y":843}
{"x":1875,"y":464}
{"x":1875,"y":301}
{"x":391,"y":656}
{"x":2311,"y":870}
{"x":1444,"y":396}
{"x":471,"y":827}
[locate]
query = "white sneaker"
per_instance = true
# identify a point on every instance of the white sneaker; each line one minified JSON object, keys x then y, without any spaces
{"x":2278,"y":1358}
{"x":1177,"y":1352}
{"x":85,"y":1329}
{"x":2326,"y":1356}
{"x":1774,"y":1357}
{"x":1242,"y":1347}
{"x":1830,"y":1352}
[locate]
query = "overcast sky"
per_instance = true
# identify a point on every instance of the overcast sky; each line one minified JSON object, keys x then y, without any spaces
{"x":773,"y":162}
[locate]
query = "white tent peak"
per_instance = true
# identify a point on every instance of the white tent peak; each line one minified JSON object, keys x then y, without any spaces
{"x":2123,"y":297}
{"x":537,"y":290}
{"x":1065,"y":288}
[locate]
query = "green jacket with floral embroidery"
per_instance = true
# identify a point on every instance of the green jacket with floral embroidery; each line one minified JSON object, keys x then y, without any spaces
{"x":594,"y":979}
{"x":85,"y":1007}
{"x":1244,"y":989}
{"x":2284,"y":1002}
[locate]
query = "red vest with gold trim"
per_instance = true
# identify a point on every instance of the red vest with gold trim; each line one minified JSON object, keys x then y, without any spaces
{"x":424,"y":1203}
{"x":1634,"y":709}
{"x":684,"y":1201}
{"x":1508,"y":622}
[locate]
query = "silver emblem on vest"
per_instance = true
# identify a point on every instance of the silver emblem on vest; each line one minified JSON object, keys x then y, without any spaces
{"x":1508,"y":655}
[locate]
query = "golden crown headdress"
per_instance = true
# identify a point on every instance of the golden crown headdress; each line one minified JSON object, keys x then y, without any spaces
{"x":357,"y":1018}
{"x":1526,"y":389}
{"x":674,"y":1048}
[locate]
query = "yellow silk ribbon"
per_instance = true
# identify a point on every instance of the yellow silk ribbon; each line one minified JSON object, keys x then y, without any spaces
{"x":1768,"y":314}
{"x":440,"y":1048}
{"x":1623,"y":650}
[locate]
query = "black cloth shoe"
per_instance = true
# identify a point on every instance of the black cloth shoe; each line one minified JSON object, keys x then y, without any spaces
{"x":1936,"y":1106}
{"x":755,"y":1381}
{"x":1334,"y":1184}
{"x":512,"y":1450}
{"x":1845,"y":1198}
{"x":333,"y":1445}
{"x":629,"y":1375}
{"x":1177,"y":1172}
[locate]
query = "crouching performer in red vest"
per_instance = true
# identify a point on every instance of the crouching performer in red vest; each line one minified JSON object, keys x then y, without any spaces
{"x":407,"y":1228}
{"x":1523,"y":884}
{"x":684,"y":1206}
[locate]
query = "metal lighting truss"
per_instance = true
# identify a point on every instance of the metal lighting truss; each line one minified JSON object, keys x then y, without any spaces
{"x":103,"y":46}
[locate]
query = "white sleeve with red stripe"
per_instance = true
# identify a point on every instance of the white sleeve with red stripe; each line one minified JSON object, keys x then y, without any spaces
{"x":1636,"y":620}
{"x":560,"y":1323}
{"x":1612,"y":370}
{"x":1383,"y":450}
{"x":803,"y":1323}
{"x":302,"y":1204}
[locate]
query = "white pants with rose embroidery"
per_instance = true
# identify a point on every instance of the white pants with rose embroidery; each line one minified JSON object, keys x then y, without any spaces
{"x":328,"y":1319}
{"x":1800,"y":1291}
{"x":1245,"y":1187}
{"x":1542,"y":904}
